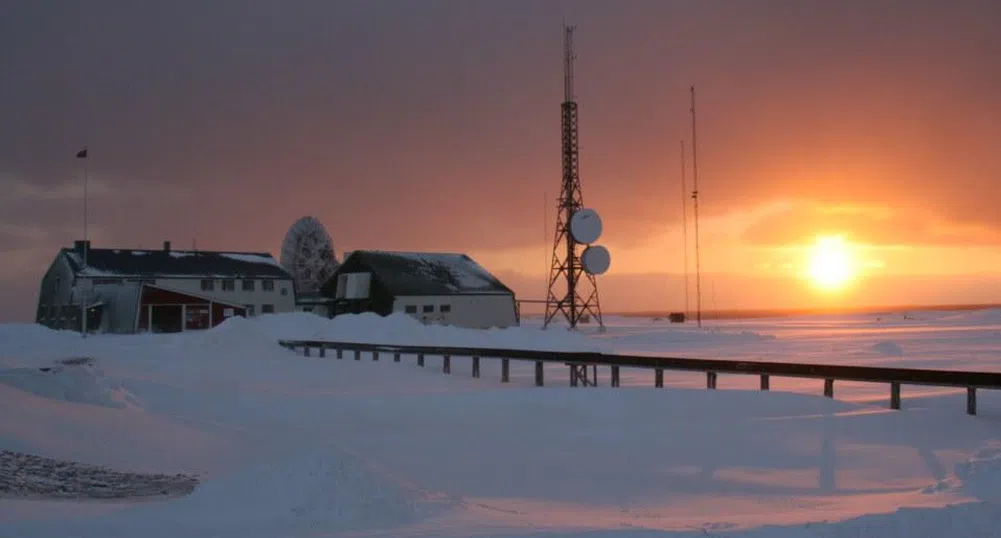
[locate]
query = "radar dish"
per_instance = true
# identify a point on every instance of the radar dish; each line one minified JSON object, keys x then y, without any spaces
{"x":308,"y":254}
{"x":596,"y":260}
{"x":585,"y":226}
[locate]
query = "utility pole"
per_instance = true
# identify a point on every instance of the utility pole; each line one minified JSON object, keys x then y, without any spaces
{"x":684,"y":223}
{"x":695,"y":197}
{"x":82,"y":154}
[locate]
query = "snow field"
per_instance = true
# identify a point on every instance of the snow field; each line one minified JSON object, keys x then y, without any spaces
{"x":293,"y":446}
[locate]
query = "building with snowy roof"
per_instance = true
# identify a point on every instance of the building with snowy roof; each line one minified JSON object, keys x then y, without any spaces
{"x":163,"y":290}
{"x":450,"y":289}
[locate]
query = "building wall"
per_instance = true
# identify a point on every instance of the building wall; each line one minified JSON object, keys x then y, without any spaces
{"x":318,"y":309}
{"x":256,"y":299}
{"x":473,"y":311}
{"x":162,"y":310}
{"x":55,"y":296}
{"x":120,"y":300}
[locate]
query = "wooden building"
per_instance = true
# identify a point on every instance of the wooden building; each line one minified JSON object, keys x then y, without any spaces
{"x":450,"y":289}
{"x":163,"y":290}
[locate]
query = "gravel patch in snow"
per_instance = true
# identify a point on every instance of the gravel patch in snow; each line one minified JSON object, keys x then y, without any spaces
{"x":35,"y":477}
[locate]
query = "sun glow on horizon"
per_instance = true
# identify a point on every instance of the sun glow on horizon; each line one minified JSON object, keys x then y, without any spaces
{"x":831,"y":264}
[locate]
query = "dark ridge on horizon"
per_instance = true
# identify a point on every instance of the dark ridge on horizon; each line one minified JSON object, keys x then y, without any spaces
{"x":793,"y":312}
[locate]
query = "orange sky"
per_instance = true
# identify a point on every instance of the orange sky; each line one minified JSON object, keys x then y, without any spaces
{"x":436,"y":127}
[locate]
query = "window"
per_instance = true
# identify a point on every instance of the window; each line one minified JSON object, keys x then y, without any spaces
{"x":267,"y":309}
{"x":248,"y":285}
{"x":228,"y":285}
{"x":428,"y":308}
{"x":410,"y":309}
{"x":250,"y":310}
{"x":445,"y":308}
{"x":267,"y":285}
{"x":305,"y":308}
{"x":284,"y":291}
{"x":208,"y":285}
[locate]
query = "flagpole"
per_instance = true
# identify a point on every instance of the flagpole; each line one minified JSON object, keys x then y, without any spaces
{"x":86,"y":249}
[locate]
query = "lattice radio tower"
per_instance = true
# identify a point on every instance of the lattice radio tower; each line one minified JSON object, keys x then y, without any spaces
{"x":573,"y":291}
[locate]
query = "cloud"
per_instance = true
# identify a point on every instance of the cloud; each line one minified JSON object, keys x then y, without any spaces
{"x":878,"y":225}
{"x":20,"y":191}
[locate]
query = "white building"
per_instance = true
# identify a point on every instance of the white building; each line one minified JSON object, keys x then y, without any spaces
{"x":314,"y":302}
{"x":449,"y":289}
{"x":159,"y":290}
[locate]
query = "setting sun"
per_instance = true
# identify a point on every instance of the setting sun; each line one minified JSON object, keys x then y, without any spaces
{"x":831,"y":264}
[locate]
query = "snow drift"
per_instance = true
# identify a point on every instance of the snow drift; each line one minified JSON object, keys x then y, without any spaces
{"x":76,"y":380}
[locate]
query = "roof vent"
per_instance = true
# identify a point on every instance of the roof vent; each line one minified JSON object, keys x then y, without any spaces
{"x":81,"y":246}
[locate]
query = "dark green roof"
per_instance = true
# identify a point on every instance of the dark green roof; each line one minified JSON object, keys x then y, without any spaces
{"x":419,"y":273}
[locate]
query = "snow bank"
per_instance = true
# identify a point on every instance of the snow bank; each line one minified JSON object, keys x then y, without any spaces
{"x":70,"y":380}
{"x":403,"y":329}
{"x":981,"y":475}
{"x":974,"y":317}
{"x":23,"y":340}
{"x":320,"y":488}
{"x":666,"y":336}
{"x":393,"y":329}
{"x":970,"y":520}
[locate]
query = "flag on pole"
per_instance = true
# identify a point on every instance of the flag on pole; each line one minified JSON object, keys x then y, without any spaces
{"x":82,"y":154}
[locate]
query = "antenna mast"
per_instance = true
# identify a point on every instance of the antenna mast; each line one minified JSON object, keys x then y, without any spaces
{"x":684,"y":223}
{"x":566,"y":260}
{"x":695,"y":197}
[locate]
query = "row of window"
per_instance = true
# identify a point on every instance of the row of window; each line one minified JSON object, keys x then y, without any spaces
{"x":265,"y":309}
{"x":246,"y":285}
{"x":427,"y":309}
{"x":57,"y":312}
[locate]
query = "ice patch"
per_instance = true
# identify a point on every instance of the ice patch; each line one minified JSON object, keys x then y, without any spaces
{"x":888,"y":348}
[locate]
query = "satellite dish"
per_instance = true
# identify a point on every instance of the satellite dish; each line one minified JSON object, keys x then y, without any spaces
{"x":585,"y":226}
{"x":308,"y":254}
{"x":596,"y":260}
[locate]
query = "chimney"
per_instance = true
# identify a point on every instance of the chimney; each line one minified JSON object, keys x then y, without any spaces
{"x":166,"y":246}
{"x":81,"y":247}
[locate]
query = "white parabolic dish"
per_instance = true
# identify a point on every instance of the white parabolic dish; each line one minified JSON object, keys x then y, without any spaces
{"x":596,"y":259}
{"x":585,"y":226}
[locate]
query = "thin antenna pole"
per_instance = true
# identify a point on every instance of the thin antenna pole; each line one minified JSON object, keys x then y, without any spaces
{"x":86,"y":251}
{"x":545,"y":238}
{"x":695,"y":197}
{"x":568,"y":58}
{"x":684,"y":223}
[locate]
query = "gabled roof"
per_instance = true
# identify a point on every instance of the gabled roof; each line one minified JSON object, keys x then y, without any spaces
{"x":420,"y":273}
{"x":106,"y":262}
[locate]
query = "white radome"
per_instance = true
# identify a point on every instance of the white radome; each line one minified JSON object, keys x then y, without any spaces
{"x":308,"y":254}
{"x":596,"y":259}
{"x":585,"y":226}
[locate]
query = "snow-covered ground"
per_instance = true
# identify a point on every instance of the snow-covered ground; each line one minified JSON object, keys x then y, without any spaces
{"x":285,"y":445}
